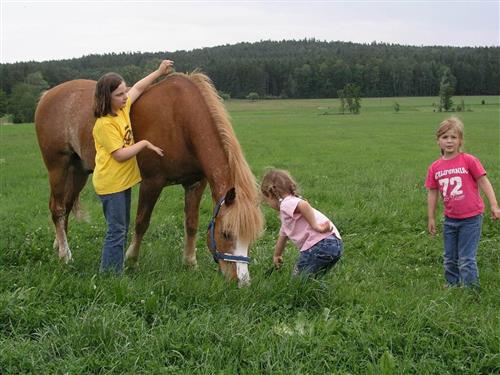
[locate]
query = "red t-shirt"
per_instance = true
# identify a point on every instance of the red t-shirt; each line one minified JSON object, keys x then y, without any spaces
{"x":456,"y":180}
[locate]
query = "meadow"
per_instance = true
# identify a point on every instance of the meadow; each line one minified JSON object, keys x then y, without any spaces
{"x":382,"y":310}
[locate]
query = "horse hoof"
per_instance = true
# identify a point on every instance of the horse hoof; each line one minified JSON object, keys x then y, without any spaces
{"x":131,"y":263}
{"x":190,"y":262}
{"x":66,"y":258}
{"x":131,"y":268}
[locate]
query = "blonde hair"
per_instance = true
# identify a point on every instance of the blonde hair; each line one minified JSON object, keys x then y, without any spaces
{"x":244,"y":216}
{"x":277,"y":182}
{"x":451,"y":123}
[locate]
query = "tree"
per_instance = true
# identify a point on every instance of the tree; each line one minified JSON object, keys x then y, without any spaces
{"x":131,"y":74}
{"x":3,"y":103}
{"x":293,"y":68}
{"x":22,"y":103}
{"x":24,"y":97}
{"x":396,"y":107}
{"x":341,"y":95}
{"x":36,"y":80}
{"x":353,"y":97}
{"x":446,"y":90}
{"x":224,"y":95}
{"x":253,"y":96}
{"x":305,"y":81}
{"x":290,"y":87}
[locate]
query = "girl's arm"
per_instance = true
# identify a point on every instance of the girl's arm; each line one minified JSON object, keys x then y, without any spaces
{"x":307,"y":211}
{"x":278,"y":251}
{"x":432,"y":198}
{"x":144,"y":83}
{"x":487,"y":189}
{"x":123,"y":154}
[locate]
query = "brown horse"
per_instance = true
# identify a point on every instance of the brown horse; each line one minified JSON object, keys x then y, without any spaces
{"x":185,"y":117}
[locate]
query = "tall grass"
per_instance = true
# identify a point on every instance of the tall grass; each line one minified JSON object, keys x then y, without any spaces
{"x":382,"y":310}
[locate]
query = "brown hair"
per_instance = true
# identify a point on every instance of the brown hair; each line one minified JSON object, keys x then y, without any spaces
{"x":102,"y":99}
{"x":451,"y":123}
{"x":278,"y":182}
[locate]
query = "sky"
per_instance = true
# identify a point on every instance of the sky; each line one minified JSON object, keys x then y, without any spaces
{"x":39,"y":30}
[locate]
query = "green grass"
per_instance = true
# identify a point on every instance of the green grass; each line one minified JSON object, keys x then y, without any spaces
{"x":382,"y":310}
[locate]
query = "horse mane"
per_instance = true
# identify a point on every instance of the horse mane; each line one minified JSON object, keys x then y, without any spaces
{"x":244,"y":216}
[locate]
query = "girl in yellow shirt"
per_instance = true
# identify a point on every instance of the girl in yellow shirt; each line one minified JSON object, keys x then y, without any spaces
{"x":116,"y":169}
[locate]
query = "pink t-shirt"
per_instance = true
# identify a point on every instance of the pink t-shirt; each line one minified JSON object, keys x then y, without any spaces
{"x":296,"y":227}
{"x":456,"y":180}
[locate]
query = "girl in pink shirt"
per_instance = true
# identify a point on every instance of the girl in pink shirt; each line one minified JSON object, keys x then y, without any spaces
{"x":457,"y":177}
{"x":312,"y":232}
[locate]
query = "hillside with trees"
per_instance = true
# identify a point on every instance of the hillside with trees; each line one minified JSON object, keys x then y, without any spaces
{"x":285,"y":69}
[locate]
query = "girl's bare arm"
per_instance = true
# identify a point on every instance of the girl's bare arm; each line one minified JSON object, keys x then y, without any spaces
{"x":307,"y":211}
{"x":144,"y":83}
{"x":432,"y":198}
{"x":487,"y":189}
{"x":123,"y":154}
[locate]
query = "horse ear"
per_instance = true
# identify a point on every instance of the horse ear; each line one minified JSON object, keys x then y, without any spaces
{"x":230,"y":196}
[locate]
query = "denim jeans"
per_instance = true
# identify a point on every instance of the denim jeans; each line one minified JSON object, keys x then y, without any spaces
{"x":116,"y":208}
{"x":320,"y":258}
{"x":461,"y":240}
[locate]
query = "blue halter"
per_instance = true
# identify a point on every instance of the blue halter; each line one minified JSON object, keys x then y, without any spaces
{"x":217,"y":255}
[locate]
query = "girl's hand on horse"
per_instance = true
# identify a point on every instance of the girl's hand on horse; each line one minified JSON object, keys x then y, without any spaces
{"x":165,"y":67}
{"x":152,"y":147}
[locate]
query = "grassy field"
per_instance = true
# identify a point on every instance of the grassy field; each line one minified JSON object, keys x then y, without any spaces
{"x":382,"y":310}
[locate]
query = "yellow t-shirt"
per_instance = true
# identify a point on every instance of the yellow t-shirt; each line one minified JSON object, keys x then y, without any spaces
{"x":110,"y":134}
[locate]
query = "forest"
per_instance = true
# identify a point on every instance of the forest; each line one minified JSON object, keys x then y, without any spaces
{"x":306,"y":68}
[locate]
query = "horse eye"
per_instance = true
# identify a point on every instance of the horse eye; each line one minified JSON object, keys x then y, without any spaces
{"x":227,"y":235}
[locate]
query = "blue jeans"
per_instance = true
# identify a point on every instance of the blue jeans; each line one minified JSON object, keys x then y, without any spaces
{"x":116,"y":208}
{"x":461,"y":240}
{"x":320,"y":258}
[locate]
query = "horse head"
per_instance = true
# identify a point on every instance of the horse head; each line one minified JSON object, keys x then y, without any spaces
{"x":227,"y":242}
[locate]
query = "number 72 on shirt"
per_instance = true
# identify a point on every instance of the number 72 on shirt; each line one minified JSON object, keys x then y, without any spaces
{"x":455,"y":182}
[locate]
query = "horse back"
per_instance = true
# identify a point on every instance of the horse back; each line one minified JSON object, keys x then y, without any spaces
{"x":64,"y":120}
{"x":173,"y":115}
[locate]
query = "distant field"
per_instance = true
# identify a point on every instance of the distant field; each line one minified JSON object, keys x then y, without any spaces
{"x":381,"y":311}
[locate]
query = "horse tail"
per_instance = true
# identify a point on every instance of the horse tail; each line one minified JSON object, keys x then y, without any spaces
{"x":79,"y":211}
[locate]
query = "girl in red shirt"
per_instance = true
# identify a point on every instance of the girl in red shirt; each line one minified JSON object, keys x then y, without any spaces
{"x":457,"y":177}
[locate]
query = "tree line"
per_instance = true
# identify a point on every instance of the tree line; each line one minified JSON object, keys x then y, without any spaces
{"x":277,"y":69}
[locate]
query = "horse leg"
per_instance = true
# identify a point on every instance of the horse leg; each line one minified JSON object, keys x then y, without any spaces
{"x":148,"y":195}
{"x":192,"y":198}
{"x":66,"y":181}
